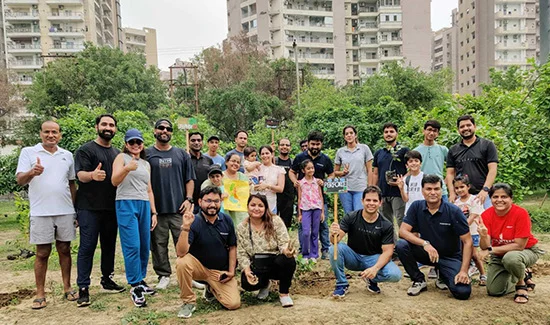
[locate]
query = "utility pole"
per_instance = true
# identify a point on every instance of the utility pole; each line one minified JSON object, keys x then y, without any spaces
{"x":294,"y":46}
{"x":195,"y":84}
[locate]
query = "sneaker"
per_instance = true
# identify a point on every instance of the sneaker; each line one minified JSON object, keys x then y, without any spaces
{"x":416,"y":288}
{"x":208,"y":295}
{"x":483,"y":280}
{"x":198,"y":285}
{"x":186,"y":310}
{"x":340,"y":291}
{"x":472,"y":271}
{"x":324,"y":255}
{"x":405,"y":274}
{"x":372,"y":286}
{"x":83,"y":297}
{"x":164,"y":281}
{"x":110,"y":286}
{"x":432,"y":273}
{"x":138,"y":296}
{"x":440,"y":284}
{"x":286,"y":301}
{"x":147,"y":290}
{"x":264,"y":293}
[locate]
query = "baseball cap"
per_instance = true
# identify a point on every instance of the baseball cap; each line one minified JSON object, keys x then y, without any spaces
{"x":133,"y":134}
{"x":215,"y":169}
{"x":213,"y":137}
{"x":162,"y":120}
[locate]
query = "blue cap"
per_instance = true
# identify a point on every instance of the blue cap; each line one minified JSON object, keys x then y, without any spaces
{"x":133,"y":134}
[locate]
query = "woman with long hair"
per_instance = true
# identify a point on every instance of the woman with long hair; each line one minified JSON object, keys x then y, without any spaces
{"x":272,"y":178}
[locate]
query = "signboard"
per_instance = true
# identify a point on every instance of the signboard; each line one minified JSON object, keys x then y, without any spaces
{"x":187,"y":123}
{"x":271,"y":123}
{"x":335,"y":185}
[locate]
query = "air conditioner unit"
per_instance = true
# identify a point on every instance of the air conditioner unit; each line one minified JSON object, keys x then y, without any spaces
{"x":35,"y":22}
{"x":62,"y":39}
{"x":35,"y":39}
{"x":362,"y":4}
{"x":61,"y":7}
{"x":34,"y":6}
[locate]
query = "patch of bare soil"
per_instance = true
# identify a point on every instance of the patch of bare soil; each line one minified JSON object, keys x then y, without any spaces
{"x":14,"y":298}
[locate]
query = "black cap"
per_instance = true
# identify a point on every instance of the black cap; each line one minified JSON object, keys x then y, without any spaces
{"x":163,"y":120}
{"x":213,"y":137}
{"x":215,"y":169}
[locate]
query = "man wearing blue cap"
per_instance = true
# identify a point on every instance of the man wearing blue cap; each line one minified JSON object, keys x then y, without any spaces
{"x":172,"y":179}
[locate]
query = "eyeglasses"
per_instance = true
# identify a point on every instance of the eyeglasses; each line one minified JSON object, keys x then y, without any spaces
{"x":135,"y":141}
{"x":167,"y":128}
{"x":208,"y":201}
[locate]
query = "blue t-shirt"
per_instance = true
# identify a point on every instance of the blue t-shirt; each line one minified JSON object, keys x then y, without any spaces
{"x":209,"y":243}
{"x":383,"y":160}
{"x":217,"y":159}
{"x":442,"y":229}
{"x":433,"y":160}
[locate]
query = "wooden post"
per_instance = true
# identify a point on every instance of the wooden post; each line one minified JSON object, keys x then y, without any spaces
{"x":336,"y":221}
{"x":272,"y":135}
{"x":187,"y":139}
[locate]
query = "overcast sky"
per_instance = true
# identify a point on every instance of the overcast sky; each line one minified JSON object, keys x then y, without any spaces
{"x":184,"y":27}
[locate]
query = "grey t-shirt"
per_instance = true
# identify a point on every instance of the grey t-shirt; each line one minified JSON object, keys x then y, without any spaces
{"x":135,"y":184}
{"x":357,"y":177}
{"x":170,"y":171}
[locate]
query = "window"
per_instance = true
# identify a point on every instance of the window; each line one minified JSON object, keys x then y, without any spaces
{"x":473,"y":64}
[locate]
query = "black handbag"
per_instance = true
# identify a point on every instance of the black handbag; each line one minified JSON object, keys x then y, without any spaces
{"x":262,"y":262}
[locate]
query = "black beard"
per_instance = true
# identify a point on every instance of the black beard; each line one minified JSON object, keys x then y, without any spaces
{"x":314,"y":152}
{"x":205,"y":212}
{"x":158,"y":137}
{"x":467,"y":137}
{"x":389,"y":141}
{"x":105,"y":136}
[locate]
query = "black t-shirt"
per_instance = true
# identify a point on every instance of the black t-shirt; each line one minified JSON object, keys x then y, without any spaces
{"x":202,"y":167}
{"x":95,"y":195}
{"x":322,"y":163}
{"x":442,"y":229}
{"x":366,"y":238}
{"x":473,"y":161}
{"x":288,"y":191}
{"x":209,"y":243}
{"x":170,"y":171}
{"x":384,"y":161}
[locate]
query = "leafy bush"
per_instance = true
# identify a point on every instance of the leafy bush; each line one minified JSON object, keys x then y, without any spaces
{"x":540,"y":220}
{"x":23,"y":214}
{"x":8,"y":166}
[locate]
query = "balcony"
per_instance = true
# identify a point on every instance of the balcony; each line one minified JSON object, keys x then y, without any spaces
{"x":368,"y":27}
{"x":367,"y":11}
{"x":107,"y":19}
{"x":369,"y":59}
{"x":510,"y":61}
{"x":390,"y":25}
{"x":71,"y":31}
{"x":23,"y":80}
{"x":514,"y":15}
{"x":24,"y":48}
{"x":316,"y":58}
{"x":368,"y":44}
{"x":135,"y":42}
{"x":23,"y":32}
{"x":308,"y":27}
{"x":64,"y":2}
{"x":323,"y":74}
{"x":391,"y":41}
{"x":308,"y":10}
{"x":394,"y":56}
{"x":66,"y":15}
{"x":26,"y":64}
{"x":310,"y":42}
{"x":515,"y":30}
{"x":389,"y":9}
{"x":67,"y":48}
{"x":510,"y":45}
{"x":22,"y":16}
{"x":20,"y":2}
{"x":106,"y":5}
{"x":108,"y":33}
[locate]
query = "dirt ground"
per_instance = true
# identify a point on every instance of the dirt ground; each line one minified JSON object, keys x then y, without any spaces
{"x":311,"y":294}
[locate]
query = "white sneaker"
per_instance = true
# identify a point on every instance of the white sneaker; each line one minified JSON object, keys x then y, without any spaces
{"x":164,"y":281}
{"x":198,"y":285}
{"x":286,"y":301}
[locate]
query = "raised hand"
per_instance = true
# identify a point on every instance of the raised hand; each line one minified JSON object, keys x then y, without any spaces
{"x":188,"y":217}
{"x":98,"y":174}
{"x":481,"y":228}
{"x":132,"y":165}
{"x":37,"y":169}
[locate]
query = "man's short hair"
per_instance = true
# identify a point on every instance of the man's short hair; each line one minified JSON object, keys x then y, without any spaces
{"x":196,"y":133}
{"x":239,"y":131}
{"x":287,"y":139}
{"x":390,"y":125}
{"x":431,"y":179}
{"x":465,"y":118}
{"x":50,"y":121}
{"x":373,"y":189}
{"x":315,"y":136}
{"x":433,"y":123}
{"x":98,"y":119}
{"x":302,"y":142}
{"x":208,"y":190}
{"x":413,"y":154}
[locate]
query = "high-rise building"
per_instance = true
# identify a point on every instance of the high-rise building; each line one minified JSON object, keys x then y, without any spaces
{"x":494,"y":33}
{"x":544,"y":30}
{"x":40,"y":30}
{"x":142,"y":41}
{"x":445,"y":49}
{"x":343,"y":41}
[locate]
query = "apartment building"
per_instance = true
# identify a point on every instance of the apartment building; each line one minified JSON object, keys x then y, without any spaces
{"x":343,"y":41}
{"x":141,"y":41}
{"x":445,"y":50}
{"x":544,"y":30}
{"x":36,"y":31}
{"x":494,"y":33}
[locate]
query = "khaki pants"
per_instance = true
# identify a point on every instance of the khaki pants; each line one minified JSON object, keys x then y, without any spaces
{"x":188,"y":268}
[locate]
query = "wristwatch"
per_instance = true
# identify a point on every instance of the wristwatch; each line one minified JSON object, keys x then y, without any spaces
{"x":490,"y":248}
{"x":486,"y":189}
{"x":189,"y":198}
{"x":425,"y":243}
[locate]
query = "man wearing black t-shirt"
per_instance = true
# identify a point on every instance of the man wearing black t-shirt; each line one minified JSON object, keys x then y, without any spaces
{"x":95,"y":204}
{"x":370,"y":245}
{"x":285,"y":200}
{"x":201,"y":163}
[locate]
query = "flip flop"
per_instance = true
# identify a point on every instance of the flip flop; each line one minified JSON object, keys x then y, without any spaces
{"x":39,"y":303}
{"x":71,"y":295}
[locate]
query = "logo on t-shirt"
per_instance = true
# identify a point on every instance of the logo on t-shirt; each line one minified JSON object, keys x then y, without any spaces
{"x":165,"y":162}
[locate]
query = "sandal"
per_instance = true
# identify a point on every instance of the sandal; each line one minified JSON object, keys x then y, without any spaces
{"x":482,"y":280}
{"x":521,"y":295}
{"x":71,"y":295}
{"x":39,"y":303}
{"x":528,"y":280}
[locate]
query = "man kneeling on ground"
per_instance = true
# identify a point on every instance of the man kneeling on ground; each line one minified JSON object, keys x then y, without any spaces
{"x":436,"y":233}
{"x":207,"y":251}
{"x":370,"y":245}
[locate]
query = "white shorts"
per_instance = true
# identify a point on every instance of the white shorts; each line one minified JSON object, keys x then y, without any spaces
{"x":47,"y":229}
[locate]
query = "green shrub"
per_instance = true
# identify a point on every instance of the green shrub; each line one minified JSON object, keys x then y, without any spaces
{"x":23,"y":208}
{"x":8,"y":166}
{"x":540,"y":220}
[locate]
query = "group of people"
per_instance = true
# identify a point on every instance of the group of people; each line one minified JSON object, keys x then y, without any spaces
{"x":150,"y":193}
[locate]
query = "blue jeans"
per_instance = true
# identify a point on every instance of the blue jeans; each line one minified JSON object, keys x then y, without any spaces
{"x":351,"y":201}
{"x":350,"y":260}
{"x":409,"y":254}
{"x":323,"y":233}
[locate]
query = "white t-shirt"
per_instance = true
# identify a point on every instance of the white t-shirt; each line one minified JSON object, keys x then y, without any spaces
{"x":49,"y":193}
{"x":473,"y":207}
{"x":414,"y":189}
{"x":270,"y":176}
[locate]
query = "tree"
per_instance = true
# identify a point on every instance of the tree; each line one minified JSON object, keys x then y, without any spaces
{"x":511,"y":79}
{"x":10,"y":95}
{"x":96,"y":77}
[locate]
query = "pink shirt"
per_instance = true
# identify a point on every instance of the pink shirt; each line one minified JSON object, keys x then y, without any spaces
{"x":311,"y":195}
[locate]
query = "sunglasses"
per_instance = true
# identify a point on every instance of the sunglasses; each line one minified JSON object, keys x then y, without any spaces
{"x":135,"y":141}
{"x":167,"y":128}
